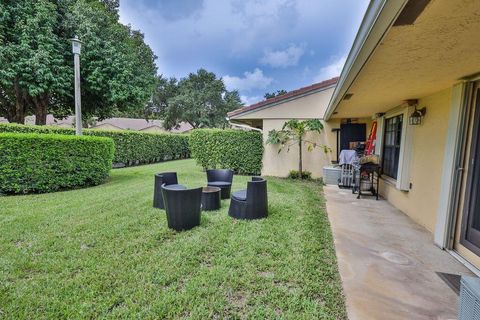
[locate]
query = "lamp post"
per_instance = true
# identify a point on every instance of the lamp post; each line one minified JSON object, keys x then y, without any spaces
{"x":76,"y":48}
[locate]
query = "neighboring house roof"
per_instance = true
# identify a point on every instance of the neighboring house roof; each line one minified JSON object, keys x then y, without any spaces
{"x":152,"y":126}
{"x":141,"y":124}
{"x":119,"y":123}
{"x":106,"y":126}
{"x":285,"y":97}
{"x":52,"y":121}
{"x":129,"y":123}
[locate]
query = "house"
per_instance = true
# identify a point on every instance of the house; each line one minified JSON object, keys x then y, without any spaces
{"x":305,"y":103}
{"x":421,"y":58}
{"x":67,"y":122}
{"x":129,"y":124}
{"x":414,"y":71}
{"x":143,"y":125}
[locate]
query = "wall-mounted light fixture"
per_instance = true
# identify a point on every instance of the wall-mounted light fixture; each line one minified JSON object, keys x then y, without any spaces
{"x":417,"y":115}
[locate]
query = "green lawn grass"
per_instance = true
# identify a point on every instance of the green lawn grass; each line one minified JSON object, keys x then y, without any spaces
{"x":105,"y":252}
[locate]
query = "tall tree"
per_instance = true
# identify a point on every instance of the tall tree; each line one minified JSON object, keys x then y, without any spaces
{"x":33,"y":72}
{"x":112,"y":5}
{"x":117,"y":67}
{"x":201,"y":100}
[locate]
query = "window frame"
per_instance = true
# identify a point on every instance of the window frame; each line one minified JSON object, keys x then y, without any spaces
{"x":406,"y":147}
{"x":397,"y":133}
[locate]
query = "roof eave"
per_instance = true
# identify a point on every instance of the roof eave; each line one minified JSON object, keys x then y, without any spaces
{"x":275,"y":103}
{"x":378,"y":19}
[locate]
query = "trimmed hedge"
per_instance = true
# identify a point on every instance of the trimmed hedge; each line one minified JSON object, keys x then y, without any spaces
{"x":131,"y":147}
{"x":241,"y":151}
{"x":31,"y":162}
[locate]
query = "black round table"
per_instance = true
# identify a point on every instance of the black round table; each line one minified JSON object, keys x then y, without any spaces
{"x":211,"y":198}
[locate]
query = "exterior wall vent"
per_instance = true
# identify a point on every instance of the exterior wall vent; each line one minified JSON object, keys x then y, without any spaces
{"x":469,"y":298}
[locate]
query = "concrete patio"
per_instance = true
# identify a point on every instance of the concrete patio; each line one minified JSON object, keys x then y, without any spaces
{"x":388,"y":262}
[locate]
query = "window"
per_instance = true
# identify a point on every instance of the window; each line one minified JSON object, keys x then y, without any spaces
{"x":391,"y":145}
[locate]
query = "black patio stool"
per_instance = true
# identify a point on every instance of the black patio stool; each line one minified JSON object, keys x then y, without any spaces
{"x":221,"y":178}
{"x":169,"y":179}
{"x":211,"y":198}
{"x":251,"y":203}
{"x":183,"y":207}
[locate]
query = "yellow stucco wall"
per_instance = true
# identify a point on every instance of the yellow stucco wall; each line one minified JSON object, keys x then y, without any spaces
{"x":429,"y":139}
{"x":306,"y":107}
{"x":275,"y":164}
{"x":279,"y":164}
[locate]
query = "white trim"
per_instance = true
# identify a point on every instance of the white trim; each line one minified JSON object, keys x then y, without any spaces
{"x":276,"y":103}
{"x":378,"y":19}
{"x":445,"y":213}
{"x":406,"y":145}
{"x":244,"y":126}
{"x":465,"y":262}
{"x":379,"y":137}
{"x":406,"y":152}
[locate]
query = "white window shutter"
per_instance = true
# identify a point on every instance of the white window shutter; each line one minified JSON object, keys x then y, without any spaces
{"x":406,"y":151}
{"x":379,"y":138}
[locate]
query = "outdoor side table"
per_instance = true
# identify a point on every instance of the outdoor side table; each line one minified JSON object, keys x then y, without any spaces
{"x":211,"y":197}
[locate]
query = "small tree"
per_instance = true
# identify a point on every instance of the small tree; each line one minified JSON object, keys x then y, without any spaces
{"x":293,"y":132}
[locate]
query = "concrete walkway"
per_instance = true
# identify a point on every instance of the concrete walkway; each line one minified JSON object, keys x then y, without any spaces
{"x":388,"y":262}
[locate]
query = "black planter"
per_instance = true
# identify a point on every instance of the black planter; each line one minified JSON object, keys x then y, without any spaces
{"x":211,"y":199}
{"x":183,"y":207}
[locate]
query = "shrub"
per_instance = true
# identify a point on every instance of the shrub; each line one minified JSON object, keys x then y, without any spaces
{"x":240,"y":151}
{"x":131,"y":147}
{"x":31,"y":162}
{"x":295,"y":174}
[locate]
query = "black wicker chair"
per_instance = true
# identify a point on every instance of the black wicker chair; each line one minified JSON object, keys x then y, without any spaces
{"x":169,"y":179}
{"x":183,"y":207}
{"x":221,"y":178}
{"x":251,"y":203}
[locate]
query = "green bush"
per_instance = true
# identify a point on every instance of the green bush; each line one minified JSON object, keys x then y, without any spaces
{"x":31,"y":162}
{"x":131,"y":147}
{"x":295,"y":174}
{"x":240,"y":151}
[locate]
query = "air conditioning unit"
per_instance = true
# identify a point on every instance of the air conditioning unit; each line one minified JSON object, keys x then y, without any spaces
{"x":469,"y":298}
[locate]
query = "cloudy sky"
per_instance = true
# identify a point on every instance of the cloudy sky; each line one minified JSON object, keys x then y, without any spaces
{"x":257,"y":46}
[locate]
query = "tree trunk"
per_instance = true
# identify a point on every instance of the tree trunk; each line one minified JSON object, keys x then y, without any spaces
{"x":20,"y":107}
{"x":300,"y":167}
{"x":41,"y":104}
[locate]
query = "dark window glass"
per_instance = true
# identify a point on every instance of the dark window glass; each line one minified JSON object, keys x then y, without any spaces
{"x":391,"y":145}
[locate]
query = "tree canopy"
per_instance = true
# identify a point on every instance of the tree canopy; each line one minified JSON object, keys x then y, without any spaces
{"x":200,"y":99}
{"x":269,"y":95}
{"x":118,"y":68}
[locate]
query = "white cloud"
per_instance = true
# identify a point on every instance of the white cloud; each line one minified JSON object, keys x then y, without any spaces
{"x":283,"y":58}
{"x":248,"y":100}
{"x":332,"y":70}
{"x":249,"y":81}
